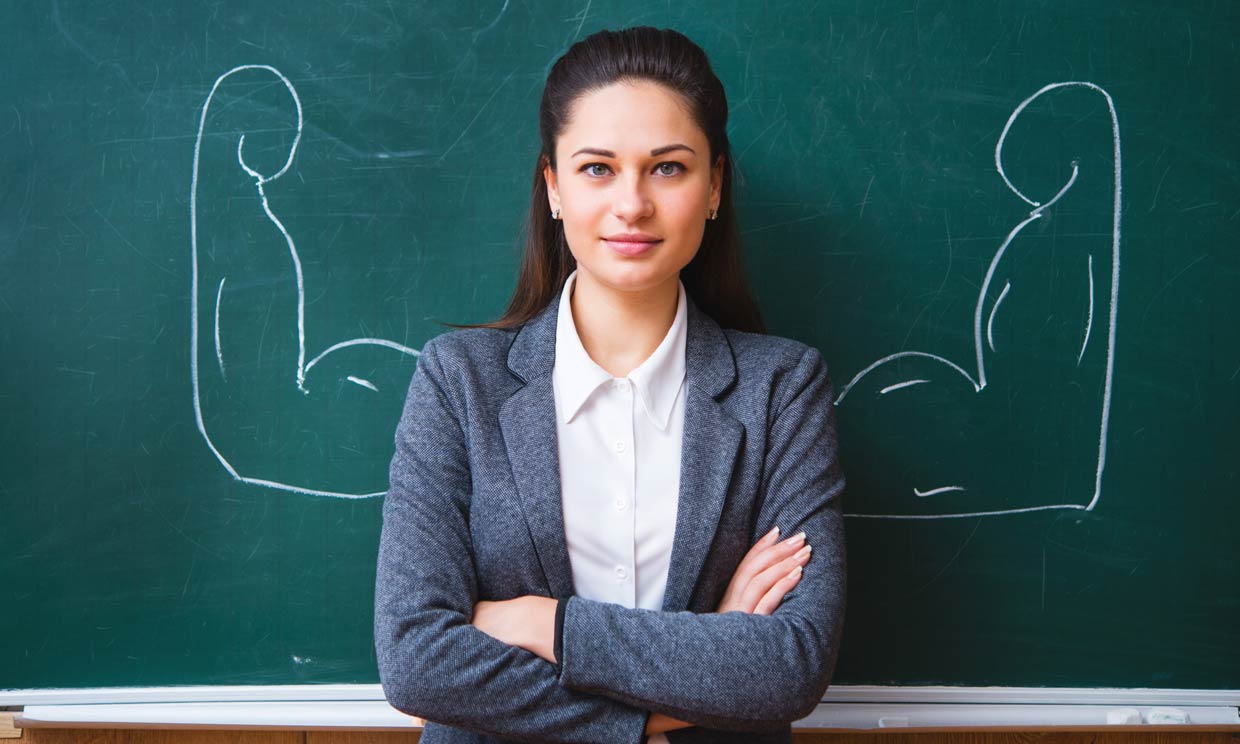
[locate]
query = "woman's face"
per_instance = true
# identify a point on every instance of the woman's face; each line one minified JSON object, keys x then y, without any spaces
{"x":633,"y":163}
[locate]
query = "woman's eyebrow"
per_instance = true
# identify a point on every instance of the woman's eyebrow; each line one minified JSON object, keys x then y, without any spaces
{"x":610,"y":154}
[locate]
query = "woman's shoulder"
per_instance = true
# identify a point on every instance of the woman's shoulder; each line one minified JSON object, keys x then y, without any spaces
{"x":470,"y":363}
{"x":762,"y":351}
{"x":470,"y":346}
{"x":781,"y":368}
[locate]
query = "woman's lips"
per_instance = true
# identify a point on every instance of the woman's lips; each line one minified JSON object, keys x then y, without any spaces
{"x":631,"y":248}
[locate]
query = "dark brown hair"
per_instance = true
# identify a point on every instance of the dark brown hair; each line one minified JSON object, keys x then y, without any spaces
{"x":714,"y":278}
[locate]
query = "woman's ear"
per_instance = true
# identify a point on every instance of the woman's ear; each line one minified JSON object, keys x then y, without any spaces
{"x":716,"y":183}
{"x":553,"y":189}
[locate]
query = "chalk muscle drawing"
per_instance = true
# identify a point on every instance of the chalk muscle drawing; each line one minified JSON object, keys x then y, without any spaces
{"x":889,"y":376}
{"x":922,"y":371}
{"x":296,"y":378}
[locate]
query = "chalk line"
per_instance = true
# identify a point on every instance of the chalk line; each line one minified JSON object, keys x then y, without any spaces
{"x":219,"y":354}
{"x":900,"y":385}
{"x":363,"y":383}
{"x":898,"y":355}
{"x":1089,"y":319}
{"x":302,"y":366}
{"x":990,"y":322}
{"x":933,"y":491}
{"x":1036,"y":213}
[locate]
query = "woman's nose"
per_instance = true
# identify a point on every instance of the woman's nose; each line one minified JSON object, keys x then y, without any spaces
{"x":631,"y":201}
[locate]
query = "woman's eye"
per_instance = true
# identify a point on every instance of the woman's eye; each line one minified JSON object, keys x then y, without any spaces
{"x":675,"y":168}
{"x":589,"y":169}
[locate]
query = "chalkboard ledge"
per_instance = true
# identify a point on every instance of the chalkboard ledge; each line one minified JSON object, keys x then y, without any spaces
{"x":846,"y":708}
{"x":379,"y":716}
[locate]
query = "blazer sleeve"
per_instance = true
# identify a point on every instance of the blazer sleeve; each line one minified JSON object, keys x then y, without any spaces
{"x":738,"y":670}
{"x":432,"y":662}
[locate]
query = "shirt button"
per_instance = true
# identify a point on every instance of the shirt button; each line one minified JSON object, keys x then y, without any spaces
{"x":622,"y":385}
{"x":621,"y":572}
{"x":621,"y":503}
{"x":621,"y":446}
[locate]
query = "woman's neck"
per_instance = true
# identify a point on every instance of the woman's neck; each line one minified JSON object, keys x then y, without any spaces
{"x":620,"y":330}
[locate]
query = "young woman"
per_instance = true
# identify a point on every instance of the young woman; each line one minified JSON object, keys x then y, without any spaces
{"x":581,"y":539}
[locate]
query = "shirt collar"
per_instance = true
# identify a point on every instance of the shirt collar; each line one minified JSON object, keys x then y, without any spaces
{"x":657,"y":380}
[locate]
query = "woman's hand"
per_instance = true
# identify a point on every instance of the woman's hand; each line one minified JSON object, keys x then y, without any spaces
{"x":527,"y":622}
{"x":769,"y":571}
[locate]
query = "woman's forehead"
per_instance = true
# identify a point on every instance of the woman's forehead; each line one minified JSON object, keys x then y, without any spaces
{"x":630,"y":118}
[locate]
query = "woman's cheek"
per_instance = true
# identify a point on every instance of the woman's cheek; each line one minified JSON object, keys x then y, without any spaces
{"x":689,"y":202}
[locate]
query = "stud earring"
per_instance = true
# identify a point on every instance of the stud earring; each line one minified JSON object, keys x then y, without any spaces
{"x":713,"y":214}
{"x":555,"y":214}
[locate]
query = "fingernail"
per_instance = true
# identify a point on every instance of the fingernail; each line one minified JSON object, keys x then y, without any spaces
{"x":805,"y":551}
{"x":774,"y":532}
{"x":797,"y":539}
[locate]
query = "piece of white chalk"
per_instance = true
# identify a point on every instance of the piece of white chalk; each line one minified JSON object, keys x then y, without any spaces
{"x":1123,"y":716}
{"x":893,"y":722}
{"x":1166,"y":715}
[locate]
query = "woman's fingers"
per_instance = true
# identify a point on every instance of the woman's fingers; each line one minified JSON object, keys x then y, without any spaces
{"x":749,"y":565}
{"x":770,"y":601}
{"x":765,"y":554}
{"x":765,"y":581}
{"x":766,"y":564}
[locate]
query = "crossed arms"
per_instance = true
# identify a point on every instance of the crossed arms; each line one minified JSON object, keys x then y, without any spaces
{"x":731,"y":671}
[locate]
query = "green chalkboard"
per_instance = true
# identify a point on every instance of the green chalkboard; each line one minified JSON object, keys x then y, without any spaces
{"x":227,"y":228}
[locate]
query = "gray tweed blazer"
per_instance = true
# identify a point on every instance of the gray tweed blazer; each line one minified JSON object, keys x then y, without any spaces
{"x":473,"y":513}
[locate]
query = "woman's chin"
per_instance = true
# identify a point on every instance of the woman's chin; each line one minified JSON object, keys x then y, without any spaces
{"x":630,"y":275}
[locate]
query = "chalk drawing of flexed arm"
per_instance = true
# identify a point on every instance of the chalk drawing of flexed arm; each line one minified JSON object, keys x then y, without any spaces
{"x":272,"y":414}
{"x":1022,"y":425}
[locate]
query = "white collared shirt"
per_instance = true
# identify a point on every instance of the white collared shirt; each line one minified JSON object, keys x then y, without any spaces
{"x":619,"y":445}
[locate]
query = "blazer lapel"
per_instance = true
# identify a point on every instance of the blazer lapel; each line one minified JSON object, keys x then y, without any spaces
{"x":709,"y":449}
{"x":527,"y":420}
